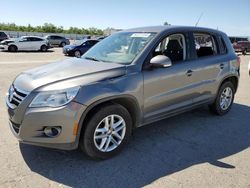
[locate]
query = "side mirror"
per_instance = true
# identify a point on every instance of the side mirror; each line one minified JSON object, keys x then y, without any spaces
{"x":160,"y":61}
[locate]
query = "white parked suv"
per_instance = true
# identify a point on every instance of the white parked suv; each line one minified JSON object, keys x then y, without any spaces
{"x":25,"y":43}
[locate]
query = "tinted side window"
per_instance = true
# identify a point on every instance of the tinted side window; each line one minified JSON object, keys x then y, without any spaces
{"x":205,"y":45}
{"x":35,"y":39}
{"x":58,"y":37}
{"x":92,"y":42}
{"x":223,"y":47}
{"x":25,"y":39}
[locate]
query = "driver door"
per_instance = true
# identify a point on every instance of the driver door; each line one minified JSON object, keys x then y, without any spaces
{"x":168,"y":89}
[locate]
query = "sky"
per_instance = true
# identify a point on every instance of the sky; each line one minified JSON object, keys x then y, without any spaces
{"x":230,"y":16}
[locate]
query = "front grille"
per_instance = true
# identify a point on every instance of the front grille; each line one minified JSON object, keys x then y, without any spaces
{"x":16,"y":96}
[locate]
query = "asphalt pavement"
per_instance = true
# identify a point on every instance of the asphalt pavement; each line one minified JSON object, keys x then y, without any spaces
{"x":194,"y":149}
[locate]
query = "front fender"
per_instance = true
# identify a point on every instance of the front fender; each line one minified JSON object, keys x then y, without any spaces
{"x":130,"y":85}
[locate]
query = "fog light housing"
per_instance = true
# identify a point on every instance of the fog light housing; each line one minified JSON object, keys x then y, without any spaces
{"x":52,"y":132}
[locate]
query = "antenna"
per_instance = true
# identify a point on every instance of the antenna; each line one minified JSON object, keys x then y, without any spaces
{"x":198,"y":19}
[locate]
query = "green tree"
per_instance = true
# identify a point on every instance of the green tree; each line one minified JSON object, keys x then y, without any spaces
{"x":50,"y":28}
{"x":166,"y":23}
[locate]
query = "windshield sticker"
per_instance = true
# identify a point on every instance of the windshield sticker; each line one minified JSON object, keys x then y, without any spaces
{"x":140,"y":35}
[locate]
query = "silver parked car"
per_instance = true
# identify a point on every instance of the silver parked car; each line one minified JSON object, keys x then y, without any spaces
{"x":55,"y":40}
{"x":129,"y":79}
{"x":25,"y":43}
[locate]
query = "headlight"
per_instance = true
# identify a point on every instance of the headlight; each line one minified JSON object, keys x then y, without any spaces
{"x":54,"y":98}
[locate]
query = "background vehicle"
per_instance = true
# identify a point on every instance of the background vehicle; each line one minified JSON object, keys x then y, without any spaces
{"x":79,"y":48}
{"x":25,"y":43}
{"x":242,"y":46}
{"x":55,"y":40}
{"x":132,"y":78}
{"x":3,"y":36}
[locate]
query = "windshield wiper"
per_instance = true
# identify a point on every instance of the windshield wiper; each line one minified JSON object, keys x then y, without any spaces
{"x":92,"y":58}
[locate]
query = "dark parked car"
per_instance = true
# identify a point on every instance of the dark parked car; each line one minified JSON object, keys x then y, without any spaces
{"x":242,"y":46}
{"x":101,"y":37}
{"x":56,"y":40}
{"x":79,"y":48}
{"x":3,"y":36}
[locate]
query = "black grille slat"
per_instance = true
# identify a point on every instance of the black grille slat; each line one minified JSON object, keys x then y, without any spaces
{"x":16,"y":96}
{"x":15,"y":102}
{"x":19,"y":93}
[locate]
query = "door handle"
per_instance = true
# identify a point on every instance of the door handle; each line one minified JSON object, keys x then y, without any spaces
{"x":189,"y":73}
{"x":221,"y":66}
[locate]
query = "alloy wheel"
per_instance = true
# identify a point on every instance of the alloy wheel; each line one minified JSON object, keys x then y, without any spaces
{"x":226,"y":98}
{"x":109,"y":133}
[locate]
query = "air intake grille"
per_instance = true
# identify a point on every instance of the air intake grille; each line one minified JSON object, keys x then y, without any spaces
{"x":16,"y":96}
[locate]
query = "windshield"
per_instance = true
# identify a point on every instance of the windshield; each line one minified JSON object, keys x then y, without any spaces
{"x":79,"y":42}
{"x":119,"y":48}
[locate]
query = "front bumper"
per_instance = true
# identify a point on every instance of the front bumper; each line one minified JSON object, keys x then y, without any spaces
{"x":34,"y":120}
{"x":4,"y":47}
{"x":68,"y":51}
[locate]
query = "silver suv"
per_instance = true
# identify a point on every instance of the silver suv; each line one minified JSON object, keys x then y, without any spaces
{"x":55,"y":40}
{"x":130,"y":79}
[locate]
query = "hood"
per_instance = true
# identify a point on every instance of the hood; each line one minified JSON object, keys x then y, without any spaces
{"x":7,"y":41}
{"x":69,"y":69}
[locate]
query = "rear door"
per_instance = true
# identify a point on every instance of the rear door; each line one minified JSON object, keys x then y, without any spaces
{"x":36,"y":43}
{"x":52,"y":40}
{"x":58,"y":40}
{"x":206,"y":66}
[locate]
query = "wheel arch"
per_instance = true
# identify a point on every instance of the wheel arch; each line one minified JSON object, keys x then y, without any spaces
{"x":127,"y":101}
{"x":233,"y":79}
{"x":14,"y":46}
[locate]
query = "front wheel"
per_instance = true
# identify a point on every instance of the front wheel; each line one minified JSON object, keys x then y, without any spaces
{"x":44,"y":48}
{"x":77,"y":53}
{"x":12,"y":48}
{"x":224,"y":99}
{"x":107,"y":131}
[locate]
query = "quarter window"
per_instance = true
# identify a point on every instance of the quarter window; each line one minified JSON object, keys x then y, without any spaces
{"x":205,"y":45}
{"x":223,"y":47}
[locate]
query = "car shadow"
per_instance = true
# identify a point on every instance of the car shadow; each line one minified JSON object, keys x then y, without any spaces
{"x":32,"y":51}
{"x":155,"y":151}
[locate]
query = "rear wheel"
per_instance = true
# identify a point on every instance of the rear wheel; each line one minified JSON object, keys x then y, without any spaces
{"x":44,"y":48}
{"x":12,"y":48}
{"x":77,"y":53}
{"x":62,"y":44}
{"x":224,"y":99}
{"x":107,"y":131}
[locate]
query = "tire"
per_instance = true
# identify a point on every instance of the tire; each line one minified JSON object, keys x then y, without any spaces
{"x":244,"y":52}
{"x":12,"y":48}
{"x":62,"y":44}
{"x":217,"y":107}
{"x":105,"y":147}
{"x":44,"y":48}
{"x":77,"y":53}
